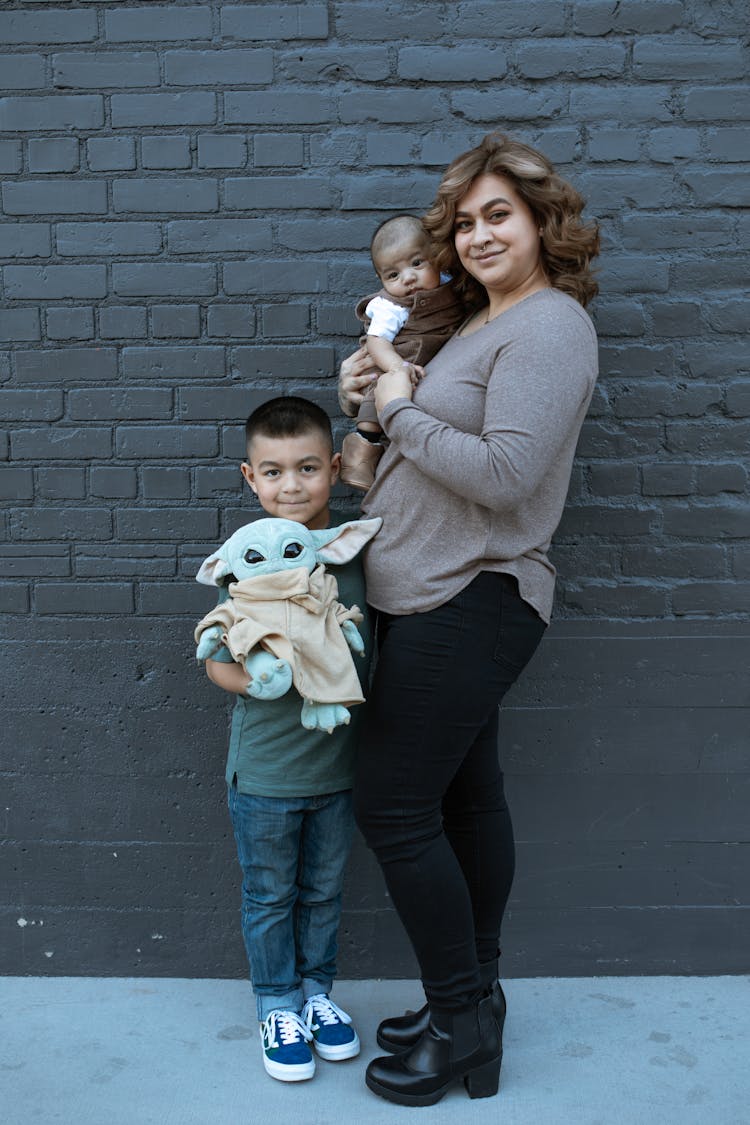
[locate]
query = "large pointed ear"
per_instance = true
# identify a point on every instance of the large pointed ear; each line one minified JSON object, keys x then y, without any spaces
{"x":340,"y":544}
{"x":212,"y":570}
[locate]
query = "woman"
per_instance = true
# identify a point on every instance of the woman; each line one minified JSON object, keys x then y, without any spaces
{"x":470,"y":489}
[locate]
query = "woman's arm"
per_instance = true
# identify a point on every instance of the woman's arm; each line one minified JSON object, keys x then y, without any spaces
{"x":536,"y":395}
{"x":355,"y":375}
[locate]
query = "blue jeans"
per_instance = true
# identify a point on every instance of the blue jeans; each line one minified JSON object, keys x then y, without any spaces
{"x":293,"y":852}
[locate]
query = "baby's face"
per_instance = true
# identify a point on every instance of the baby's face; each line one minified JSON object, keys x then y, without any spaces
{"x":405,"y":268}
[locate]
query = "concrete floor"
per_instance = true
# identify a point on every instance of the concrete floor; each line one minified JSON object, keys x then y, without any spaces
{"x":593,"y":1051}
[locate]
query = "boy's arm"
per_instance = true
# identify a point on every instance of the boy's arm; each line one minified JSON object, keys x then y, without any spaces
{"x":231,"y":677}
{"x":221,"y":667}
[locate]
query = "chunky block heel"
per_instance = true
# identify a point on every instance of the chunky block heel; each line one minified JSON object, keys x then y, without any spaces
{"x":484,"y":1081}
{"x":463,"y":1045}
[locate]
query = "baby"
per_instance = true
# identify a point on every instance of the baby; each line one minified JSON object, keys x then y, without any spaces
{"x":409,"y":320}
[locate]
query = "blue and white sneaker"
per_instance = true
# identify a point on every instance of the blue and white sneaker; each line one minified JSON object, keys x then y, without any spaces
{"x":286,"y":1055}
{"x":331,"y":1029}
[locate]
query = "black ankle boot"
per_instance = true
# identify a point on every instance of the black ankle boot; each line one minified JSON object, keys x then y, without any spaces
{"x":462,"y":1045}
{"x":401,"y":1032}
{"x":488,"y":974}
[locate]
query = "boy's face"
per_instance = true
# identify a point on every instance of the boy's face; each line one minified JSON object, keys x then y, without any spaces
{"x":404,"y":268}
{"x":293,"y":476}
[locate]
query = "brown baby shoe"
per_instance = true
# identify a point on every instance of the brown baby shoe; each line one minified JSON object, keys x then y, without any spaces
{"x":359,"y":459}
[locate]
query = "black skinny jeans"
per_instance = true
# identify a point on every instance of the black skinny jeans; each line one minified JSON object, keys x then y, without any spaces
{"x":429,"y":793}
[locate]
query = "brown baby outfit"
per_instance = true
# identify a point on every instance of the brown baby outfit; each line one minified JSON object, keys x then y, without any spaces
{"x":434,"y":315}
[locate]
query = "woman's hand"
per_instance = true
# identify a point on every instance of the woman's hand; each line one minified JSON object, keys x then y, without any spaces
{"x":399,"y":382}
{"x":356,"y":374}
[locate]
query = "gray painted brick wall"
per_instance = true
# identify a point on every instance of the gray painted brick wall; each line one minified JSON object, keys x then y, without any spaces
{"x":188,"y":192}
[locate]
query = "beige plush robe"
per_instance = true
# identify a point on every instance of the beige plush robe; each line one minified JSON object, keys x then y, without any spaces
{"x":296,"y":616}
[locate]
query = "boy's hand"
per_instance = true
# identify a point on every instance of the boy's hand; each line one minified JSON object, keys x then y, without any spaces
{"x":270,"y":678}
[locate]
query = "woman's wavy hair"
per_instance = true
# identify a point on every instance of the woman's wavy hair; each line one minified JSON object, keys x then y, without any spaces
{"x":568,"y":244}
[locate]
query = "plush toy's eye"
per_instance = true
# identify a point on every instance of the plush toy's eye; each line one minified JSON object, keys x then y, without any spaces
{"x":253,"y":556}
{"x":293,"y":550}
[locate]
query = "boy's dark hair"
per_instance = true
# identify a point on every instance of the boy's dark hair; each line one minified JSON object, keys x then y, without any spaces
{"x":288,"y":416}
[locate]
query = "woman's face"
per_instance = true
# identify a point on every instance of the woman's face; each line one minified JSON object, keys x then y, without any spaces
{"x":496,"y":237}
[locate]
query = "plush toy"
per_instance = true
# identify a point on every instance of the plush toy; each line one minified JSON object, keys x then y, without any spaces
{"x":283,"y":621}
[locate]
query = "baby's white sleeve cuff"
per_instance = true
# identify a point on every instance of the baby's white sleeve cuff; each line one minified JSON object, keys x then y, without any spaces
{"x":386,"y":319}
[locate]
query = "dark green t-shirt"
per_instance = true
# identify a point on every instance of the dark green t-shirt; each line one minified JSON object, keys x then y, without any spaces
{"x":270,"y":752}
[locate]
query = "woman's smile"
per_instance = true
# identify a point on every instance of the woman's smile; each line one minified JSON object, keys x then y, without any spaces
{"x":489,"y":256}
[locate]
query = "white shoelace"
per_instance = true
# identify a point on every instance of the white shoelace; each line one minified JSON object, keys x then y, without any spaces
{"x":325,"y":1010}
{"x":284,"y":1025}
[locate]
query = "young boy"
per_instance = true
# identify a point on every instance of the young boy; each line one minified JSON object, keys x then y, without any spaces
{"x":409,"y":320}
{"x":290,"y":788}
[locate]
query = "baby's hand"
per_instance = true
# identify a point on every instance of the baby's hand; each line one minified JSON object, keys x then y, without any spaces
{"x":415,"y":372}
